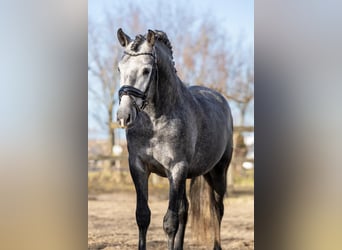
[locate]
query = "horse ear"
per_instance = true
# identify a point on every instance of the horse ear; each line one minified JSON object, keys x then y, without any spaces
{"x":151,"y":37}
{"x":123,"y":38}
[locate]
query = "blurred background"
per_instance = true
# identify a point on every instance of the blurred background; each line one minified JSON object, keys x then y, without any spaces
{"x":213,"y":44}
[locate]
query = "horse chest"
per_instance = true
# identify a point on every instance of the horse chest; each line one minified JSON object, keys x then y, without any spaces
{"x":164,"y":144}
{"x":160,"y":151}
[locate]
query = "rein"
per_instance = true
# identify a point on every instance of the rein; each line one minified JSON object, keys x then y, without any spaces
{"x":132,"y":91}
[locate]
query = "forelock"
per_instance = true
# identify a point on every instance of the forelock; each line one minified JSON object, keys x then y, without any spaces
{"x":159,"y":36}
{"x":139,"y":39}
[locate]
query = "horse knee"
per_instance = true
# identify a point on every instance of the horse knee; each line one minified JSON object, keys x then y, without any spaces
{"x":171,"y":222}
{"x":143,"y":217}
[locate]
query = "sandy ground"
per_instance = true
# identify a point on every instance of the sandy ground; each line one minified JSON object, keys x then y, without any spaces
{"x":111,"y":223}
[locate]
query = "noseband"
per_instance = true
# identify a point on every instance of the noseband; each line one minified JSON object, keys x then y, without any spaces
{"x":131,"y":91}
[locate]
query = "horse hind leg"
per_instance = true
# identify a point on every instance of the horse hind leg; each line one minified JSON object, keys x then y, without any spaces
{"x":217,"y":178}
{"x":183,"y":218}
{"x":171,"y":221}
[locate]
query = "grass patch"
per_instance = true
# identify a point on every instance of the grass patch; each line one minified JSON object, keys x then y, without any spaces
{"x":108,"y":181}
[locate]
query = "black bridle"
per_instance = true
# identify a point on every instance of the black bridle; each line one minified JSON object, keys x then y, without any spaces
{"x":131,"y":91}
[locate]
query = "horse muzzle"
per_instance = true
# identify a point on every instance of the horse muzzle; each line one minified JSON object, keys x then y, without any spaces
{"x":126,"y":113}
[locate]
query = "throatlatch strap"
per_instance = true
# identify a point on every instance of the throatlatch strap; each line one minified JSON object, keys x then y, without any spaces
{"x":131,"y":91}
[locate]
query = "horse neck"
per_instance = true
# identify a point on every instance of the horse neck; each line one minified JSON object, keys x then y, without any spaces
{"x":169,"y":91}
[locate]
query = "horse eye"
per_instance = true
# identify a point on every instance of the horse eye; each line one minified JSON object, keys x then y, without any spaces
{"x":119,"y":69}
{"x":146,"y":71}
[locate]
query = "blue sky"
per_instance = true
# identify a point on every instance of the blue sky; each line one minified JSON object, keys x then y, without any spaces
{"x":236,"y":15}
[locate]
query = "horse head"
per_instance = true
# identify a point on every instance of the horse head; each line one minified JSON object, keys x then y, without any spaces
{"x":138,"y":71}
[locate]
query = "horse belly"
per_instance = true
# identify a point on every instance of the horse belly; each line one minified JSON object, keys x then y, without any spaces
{"x":202,"y":165}
{"x":207,"y":155}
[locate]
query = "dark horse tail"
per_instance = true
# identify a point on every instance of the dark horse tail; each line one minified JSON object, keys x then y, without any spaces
{"x":206,"y":199}
{"x":205,"y":222}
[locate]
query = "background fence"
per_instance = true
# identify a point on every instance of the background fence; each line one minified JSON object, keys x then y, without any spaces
{"x":110,"y":172}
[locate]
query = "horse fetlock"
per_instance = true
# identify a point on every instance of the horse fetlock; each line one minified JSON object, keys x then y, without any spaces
{"x":171,"y":222}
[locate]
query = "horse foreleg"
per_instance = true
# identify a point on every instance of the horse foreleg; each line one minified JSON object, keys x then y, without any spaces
{"x":177,"y":179}
{"x":142,"y":212}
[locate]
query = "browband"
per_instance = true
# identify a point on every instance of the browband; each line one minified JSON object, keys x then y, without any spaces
{"x":140,"y":54}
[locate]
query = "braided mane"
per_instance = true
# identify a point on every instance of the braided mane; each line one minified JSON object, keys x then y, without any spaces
{"x":137,"y":41}
{"x":160,"y":36}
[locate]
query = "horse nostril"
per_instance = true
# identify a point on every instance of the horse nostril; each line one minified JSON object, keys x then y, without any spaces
{"x":128,"y":119}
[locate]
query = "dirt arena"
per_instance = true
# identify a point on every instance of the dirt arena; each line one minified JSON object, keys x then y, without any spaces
{"x":111,"y":223}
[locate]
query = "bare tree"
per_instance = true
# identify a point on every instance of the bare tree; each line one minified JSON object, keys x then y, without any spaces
{"x":241,"y":88}
{"x":103,"y":57}
{"x":104,"y":54}
{"x":203,"y":55}
{"x":207,"y":56}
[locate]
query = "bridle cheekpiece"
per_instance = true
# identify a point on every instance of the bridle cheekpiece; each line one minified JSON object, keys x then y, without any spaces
{"x":132,"y":91}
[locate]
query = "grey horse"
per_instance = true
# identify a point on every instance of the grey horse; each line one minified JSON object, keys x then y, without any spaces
{"x":176,"y":132}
